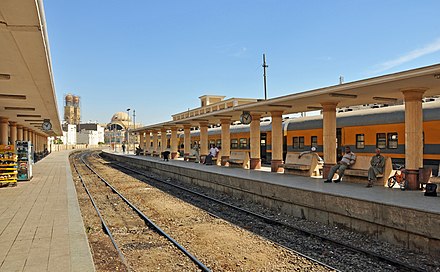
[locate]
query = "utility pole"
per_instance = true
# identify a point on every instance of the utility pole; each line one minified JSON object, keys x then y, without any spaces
{"x":264,"y":76}
{"x":134,"y":127}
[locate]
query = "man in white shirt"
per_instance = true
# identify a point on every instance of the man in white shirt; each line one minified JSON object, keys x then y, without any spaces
{"x":348,"y":159}
{"x":212,"y":154}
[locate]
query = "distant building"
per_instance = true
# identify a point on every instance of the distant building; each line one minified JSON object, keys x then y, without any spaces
{"x":91,"y":134}
{"x":72,"y":111}
{"x":69,"y":134}
{"x":116,"y":130}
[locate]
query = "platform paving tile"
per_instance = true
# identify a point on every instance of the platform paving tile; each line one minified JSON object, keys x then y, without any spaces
{"x":378,"y":194}
{"x":41,"y":227}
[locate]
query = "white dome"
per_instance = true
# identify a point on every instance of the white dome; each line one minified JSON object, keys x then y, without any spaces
{"x":121,"y":117}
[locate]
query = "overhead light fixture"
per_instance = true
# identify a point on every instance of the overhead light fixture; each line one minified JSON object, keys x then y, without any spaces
{"x":36,"y":123}
{"x":34,"y":120}
{"x":28,"y":115}
{"x":12,"y":96}
{"x":343,"y":95}
{"x":5,"y":76}
{"x":281,"y":106}
{"x":20,"y":108}
{"x":384,"y":98}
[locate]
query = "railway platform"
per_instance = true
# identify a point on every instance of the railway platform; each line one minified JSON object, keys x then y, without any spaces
{"x":406,"y":218}
{"x":41,"y":228}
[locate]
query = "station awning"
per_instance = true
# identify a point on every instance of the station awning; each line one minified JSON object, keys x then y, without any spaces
{"x":27,"y":93}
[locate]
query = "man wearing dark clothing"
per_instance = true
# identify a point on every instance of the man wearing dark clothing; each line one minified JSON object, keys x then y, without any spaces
{"x":377,"y":164}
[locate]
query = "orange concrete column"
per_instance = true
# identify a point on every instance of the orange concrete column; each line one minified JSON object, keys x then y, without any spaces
{"x":226,"y":141}
{"x":413,"y":135}
{"x":163,"y":140}
{"x":329,"y":136}
{"x":4,"y":127}
{"x":25,"y":134}
{"x":148,"y":142}
{"x":174,"y":143}
{"x":141,"y":140}
{"x":277,"y":141}
{"x":155,"y":142}
{"x":186,"y":140}
{"x":203,"y":140}
{"x":13,"y":132}
{"x":19,"y":132}
{"x":255,"y":141}
{"x":37,"y":142}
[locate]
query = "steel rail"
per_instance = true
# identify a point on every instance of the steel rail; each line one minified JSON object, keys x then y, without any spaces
{"x":103,"y":223}
{"x":275,"y":222}
{"x":147,"y":220}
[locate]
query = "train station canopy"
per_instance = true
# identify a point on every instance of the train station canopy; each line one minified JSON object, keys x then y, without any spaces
{"x":382,"y":89}
{"x":27,"y":93}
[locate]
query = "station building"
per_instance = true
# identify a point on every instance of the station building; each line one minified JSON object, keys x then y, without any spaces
{"x":410,"y":86}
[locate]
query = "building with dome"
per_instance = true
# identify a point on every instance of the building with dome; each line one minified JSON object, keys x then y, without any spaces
{"x":116,"y":130}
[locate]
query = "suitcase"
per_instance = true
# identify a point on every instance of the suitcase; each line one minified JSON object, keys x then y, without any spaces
{"x":208,"y":160}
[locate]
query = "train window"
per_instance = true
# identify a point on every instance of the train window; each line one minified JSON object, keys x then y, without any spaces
{"x":243,"y":143}
{"x":219,"y":143}
{"x":392,"y":140}
{"x":360,"y":141}
{"x":298,"y":142}
{"x":168,"y":143}
{"x":381,"y":140}
{"x":314,"y":141}
{"x":234,"y":143}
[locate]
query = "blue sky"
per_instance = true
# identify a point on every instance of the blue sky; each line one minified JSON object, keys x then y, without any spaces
{"x":158,"y":57}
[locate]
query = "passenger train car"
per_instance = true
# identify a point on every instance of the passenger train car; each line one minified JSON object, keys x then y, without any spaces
{"x":362,"y":130}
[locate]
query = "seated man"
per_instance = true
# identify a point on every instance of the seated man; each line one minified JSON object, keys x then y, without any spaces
{"x":348,"y":159}
{"x":377,"y":164}
{"x":213,"y":152}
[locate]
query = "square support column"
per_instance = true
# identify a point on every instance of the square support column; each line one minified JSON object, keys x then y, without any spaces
{"x":226,"y":141}
{"x":413,"y":135}
{"x":25,"y":134}
{"x":141,"y":142}
{"x":203,"y":140}
{"x":13,"y":132}
{"x":186,"y":141}
{"x":148,"y":143}
{"x":155,"y":143}
{"x":4,"y":127}
{"x":277,"y":141}
{"x":174,"y":143}
{"x":329,"y":136}
{"x":255,"y":141}
{"x":163,"y":140}
{"x":19,"y":132}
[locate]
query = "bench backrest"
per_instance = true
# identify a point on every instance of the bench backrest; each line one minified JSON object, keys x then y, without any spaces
{"x":363,"y":163}
{"x":306,"y":159}
{"x":239,"y":155}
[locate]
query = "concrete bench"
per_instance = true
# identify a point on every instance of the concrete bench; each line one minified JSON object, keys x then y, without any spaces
{"x":308,"y":165}
{"x":358,"y":172}
{"x":239,"y":159}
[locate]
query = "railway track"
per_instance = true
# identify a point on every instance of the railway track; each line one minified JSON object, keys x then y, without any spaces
{"x":384,"y":259}
{"x":141,"y":215}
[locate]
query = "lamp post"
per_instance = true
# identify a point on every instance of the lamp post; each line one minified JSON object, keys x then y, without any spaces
{"x":134,"y":128}
{"x":128,"y":130}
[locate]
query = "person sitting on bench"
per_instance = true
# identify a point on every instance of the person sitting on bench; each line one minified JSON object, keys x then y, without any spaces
{"x":348,"y":159}
{"x":377,"y":164}
{"x":212,"y":154}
